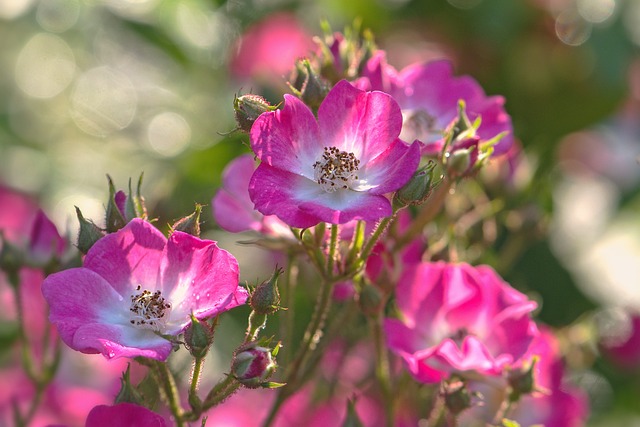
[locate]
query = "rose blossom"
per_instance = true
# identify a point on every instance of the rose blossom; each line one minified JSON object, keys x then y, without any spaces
{"x":233,"y":209}
{"x":428,"y":95}
{"x":458,"y":318}
{"x":136,"y":285}
{"x":335,"y":169}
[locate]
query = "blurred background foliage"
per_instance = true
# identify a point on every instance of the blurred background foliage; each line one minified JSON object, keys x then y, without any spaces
{"x":120,"y":87}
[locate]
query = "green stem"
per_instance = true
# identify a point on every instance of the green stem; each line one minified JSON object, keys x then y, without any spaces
{"x":310,"y":340}
{"x":377,"y":233}
{"x":382,"y":367}
{"x":287,"y":316}
{"x":220,"y":392}
{"x":333,"y":243}
{"x":432,"y":207}
{"x":170,"y":390}
{"x":195,"y":376}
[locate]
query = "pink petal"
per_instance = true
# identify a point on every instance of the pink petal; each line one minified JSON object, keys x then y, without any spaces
{"x":288,"y":139}
{"x":114,"y":341}
{"x":128,"y":258}
{"x":45,"y":242}
{"x":201,"y":276}
{"x":124,"y":415}
{"x":363,"y":123}
{"x":393,"y":168}
{"x":231,"y":213}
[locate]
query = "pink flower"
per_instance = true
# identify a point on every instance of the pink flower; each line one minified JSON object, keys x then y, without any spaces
{"x":135,"y":285}
{"x":555,"y":403}
{"x":428,"y":95}
{"x":623,"y":349}
{"x":458,"y":318}
{"x":268,"y":49}
{"x":336,"y":169}
{"x":124,"y":415}
{"x":233,"y":209}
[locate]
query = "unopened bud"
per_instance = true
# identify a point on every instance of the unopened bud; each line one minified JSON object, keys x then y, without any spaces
{"x":128,"y":392}
{"x":253,"y":364}
{"x":89,"y":233}
{"x":248,"y":108}
{"x":418,"y":188}
{"x":370,"y":300}
{"x":457,"y":397}
{"x":189,"y":224}
{"x":352,"y":419}
{"x":114,"y":214}
{"x":198,"y":337}
{"x":265,"y":299}
{"x":309,"y":85}
{"x":522,"y":381}
{"x":459,"y":162}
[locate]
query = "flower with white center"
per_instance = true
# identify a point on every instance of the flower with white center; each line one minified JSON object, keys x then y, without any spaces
{"x":136,"y":287}
{"x":336,"y":169}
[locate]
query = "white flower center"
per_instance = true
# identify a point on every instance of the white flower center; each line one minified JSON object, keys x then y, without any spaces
{"x":420,"y":125}
{"x":336,"y":170}
{"x":149,"y":310}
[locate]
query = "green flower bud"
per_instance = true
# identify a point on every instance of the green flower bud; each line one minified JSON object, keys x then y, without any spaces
{"x":265,"y":299}
{"x":522,"y":381}
{"x":457,"y":397}
{"x":128,"y":392}
{"x":89,"y":233}
{"x":198,"y":337}
{"x":248,"y":108}
{"x":189,"y":224}
{"x":418,"y":188}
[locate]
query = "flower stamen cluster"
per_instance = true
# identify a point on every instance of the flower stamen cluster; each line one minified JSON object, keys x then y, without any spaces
{"x":149,"y":309}
{"x":336,"y":169}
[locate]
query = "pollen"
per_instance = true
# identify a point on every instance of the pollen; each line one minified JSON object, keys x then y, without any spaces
{"x":149,"y":310}
{"x":336,"y":170}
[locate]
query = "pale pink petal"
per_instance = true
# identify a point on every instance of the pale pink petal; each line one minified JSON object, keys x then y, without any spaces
{"x":128,"y":258}
{"x":363,"y":123}
{"x":392,"y":169}
{"x":231,"y":213}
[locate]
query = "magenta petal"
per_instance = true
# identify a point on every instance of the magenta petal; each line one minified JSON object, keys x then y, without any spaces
{"x":231,"y":214}
{"x":472,"y":355}
{"x":363,"y":123}
{"x":123,"y":415}
{"x":114,"y":341}
{"x":287,"y":139}
{"x":201,"y":276}
{"x":128,"y":258}
{"x":393,"y":168}
{"x":45,"y":242}
{"x":78,"y":297}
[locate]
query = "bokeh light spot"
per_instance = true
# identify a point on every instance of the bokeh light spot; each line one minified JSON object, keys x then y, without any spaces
{"x":572,"y":29}
{"x":45,"y":66}
{"x":168,"y":133}
{"x":11,"y":9}
{"x":596,"y":11}
{"x":57,"y":16}
{"x":103,"y":101}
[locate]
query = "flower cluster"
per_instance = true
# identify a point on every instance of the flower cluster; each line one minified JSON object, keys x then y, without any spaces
{"x":369,"y":181}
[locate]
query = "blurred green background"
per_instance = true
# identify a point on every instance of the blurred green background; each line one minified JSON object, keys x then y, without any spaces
{"x":120,"y":87}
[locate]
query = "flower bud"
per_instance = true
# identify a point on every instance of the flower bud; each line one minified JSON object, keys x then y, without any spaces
{"x":189,"y":224}
{"x":457,"y":397}
{"x":522,"y":381}
{"x":248,"y":108}
{"x":45,"y":244}
{"x":198,"y":337}
{"x":352,"y":419}
{"x":89,"y":233}
{"x":461,"y":161}
{"x":128,"y":392}
{"x":253,"y":364}
{"x":309,"y":85}
{"x":114,"y":214}
{"x":370,"y":300}
{"x":418,"y":188}
{"x":265,"y":299}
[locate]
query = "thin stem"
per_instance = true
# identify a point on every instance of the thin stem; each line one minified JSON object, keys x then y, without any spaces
{"x":432,"y":207}
{"x":382,"y":367}
{"x":287,"y":316}
{"x":333,"y":243}
{"x":375,"y":236}
{"x":310,"y":340}
{"x":170,"y":390}
{"x":195,"y":376}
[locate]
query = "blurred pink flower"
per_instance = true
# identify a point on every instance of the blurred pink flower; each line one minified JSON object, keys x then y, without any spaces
{"x":135,"y":285}
{"x":336,"y":169}
{"x":124,"y":415}
{"x":556,"y":403}
{"x":233,"y":209}
{"x":625,"y":352}
{"x":267,"y":51}
{"x":457,"y":318}
{"x":428,"y":95}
